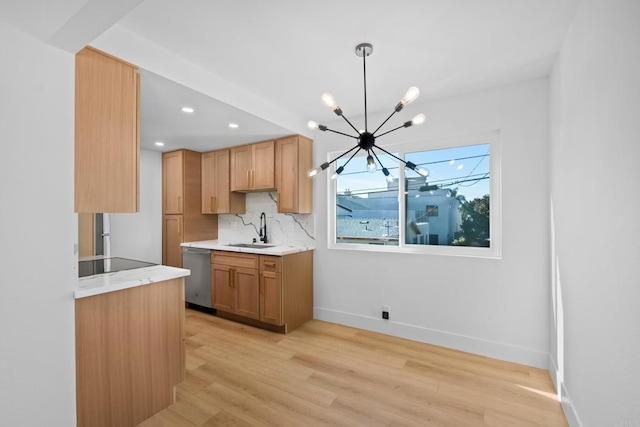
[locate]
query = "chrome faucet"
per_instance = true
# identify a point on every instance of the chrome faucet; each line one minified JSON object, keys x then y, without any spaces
{"x":263,"y":228}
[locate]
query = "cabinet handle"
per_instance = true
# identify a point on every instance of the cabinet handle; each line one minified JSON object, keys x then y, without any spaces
{"x":270,"y":263}
{"x":248,"y":179}
{"x":253,"y":179}
{"x":213,"y":204}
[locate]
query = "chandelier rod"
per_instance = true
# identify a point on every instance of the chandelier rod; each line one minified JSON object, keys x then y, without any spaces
{"x":376,"y":156}
{"x":394,"y":129}
{"x":392,"y":155}
{"x":352,"y":156}
{"x":341,"y":133}
{"x":364,"y":66}
{"x":386,"y":120}
{"x":344,"y":154}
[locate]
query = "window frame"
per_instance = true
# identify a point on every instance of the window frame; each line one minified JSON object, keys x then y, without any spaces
{"x":495,"y":217}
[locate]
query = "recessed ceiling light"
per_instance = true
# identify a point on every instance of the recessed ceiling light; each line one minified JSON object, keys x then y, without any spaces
{"x":160,"y":143}
{"x":233,"y":125}
{"x":187,"y":110}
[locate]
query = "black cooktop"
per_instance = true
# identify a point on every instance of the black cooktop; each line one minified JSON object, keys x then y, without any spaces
{"x":109,"y":265}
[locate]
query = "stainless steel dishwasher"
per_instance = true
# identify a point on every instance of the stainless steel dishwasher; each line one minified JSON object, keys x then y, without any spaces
{"x":197,"y":286}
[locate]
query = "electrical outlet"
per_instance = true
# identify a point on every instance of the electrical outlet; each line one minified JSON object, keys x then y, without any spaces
{"x":385,"y":312}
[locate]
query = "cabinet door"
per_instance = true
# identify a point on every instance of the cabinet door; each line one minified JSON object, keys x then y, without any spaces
{"x":172,"y":185}
{"x":241,"y":165}
{"x":107,"y":145}
{"x":216,"y":195}
{"x":223,"y":293}
{"x":209,"y":183}
{"x":287,"y":174}
{"x":270,"y":298}
{"x":247,"y":289}
{"x":262,"y":176}
{"x":172,"y":236}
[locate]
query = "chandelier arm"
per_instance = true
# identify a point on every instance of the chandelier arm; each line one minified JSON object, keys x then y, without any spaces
{"x":392,"y":155}
{"x":352,"y":156}
{"x":345,"y":153}
{"x":341,"y":133}
{"x":347,"y":120}
{"x":376,"y":156}
{"x":389,"y":131}
{"x":386,"y":120}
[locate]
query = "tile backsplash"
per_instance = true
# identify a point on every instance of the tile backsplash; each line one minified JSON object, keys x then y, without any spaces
{"x":282,"y":229}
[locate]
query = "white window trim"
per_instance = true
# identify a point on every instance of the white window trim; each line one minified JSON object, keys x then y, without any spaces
{"x":495,"y":217}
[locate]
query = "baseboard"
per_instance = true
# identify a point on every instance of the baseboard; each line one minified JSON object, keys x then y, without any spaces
{"x":567,"y":404}
{"x":469,"y":344}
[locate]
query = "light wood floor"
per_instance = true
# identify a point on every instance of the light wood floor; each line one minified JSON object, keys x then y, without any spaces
{"x":327,"y":374}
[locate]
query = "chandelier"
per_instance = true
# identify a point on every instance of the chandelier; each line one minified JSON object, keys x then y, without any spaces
{"x":367,"y":140}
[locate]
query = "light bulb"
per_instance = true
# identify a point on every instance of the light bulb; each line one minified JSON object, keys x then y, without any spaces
{"x":312,"y":125}
{"x":422,"y":172}
{"x":371,"y":164}
{"x":410,"y":96}
{"x":388,"y":176}
{"x":313,"y":172}
{"x":419,"y":119}
{"x":337,"y":172}
{"x":327,"y":100}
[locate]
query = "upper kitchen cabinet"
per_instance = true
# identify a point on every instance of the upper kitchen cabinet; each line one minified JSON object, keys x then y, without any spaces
{"x":107,"y":145}
{"x":293,"y":159}
{"x":252,"y":167}
{"x":173,"y":180}
{"x":217,"y":197}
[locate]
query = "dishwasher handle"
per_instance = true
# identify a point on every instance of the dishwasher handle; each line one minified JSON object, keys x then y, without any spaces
{"x":195,"y":251}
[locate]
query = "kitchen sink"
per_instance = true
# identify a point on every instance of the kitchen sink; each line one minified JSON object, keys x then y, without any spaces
{"x":250,"y":245}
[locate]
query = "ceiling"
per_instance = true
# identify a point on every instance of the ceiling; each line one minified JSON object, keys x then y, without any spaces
{"x":288,"y":52}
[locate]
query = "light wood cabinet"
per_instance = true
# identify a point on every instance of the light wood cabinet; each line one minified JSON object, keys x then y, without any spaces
{"x":217,"y":197}
{"x":107,"y":143}
{"x":235,"y":284}
{"x":293,"y":158}
{"x":172,"y":237}
{"x":173,"y":182}
{"x":270,"y":290}
{"x":267,"y":291}
{"x":183,"y":220}
{"x":252,"y":167}
{"x":129,"y":353}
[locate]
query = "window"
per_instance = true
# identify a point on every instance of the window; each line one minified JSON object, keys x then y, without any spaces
{"x":454,"y":210}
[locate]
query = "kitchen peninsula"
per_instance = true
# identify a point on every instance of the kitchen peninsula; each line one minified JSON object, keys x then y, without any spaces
{"x":129,"y":344}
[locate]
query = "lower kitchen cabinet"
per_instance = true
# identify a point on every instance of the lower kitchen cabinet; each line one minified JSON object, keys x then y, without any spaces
{"x":235,"y":284}
{"x":273,"y":292}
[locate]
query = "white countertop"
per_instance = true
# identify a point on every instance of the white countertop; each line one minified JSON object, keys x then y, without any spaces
{"x":109,"y":282}
{"x":277,"y":250}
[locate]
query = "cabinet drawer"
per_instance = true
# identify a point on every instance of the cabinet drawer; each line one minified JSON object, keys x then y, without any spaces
{"x":235,"y":259}
{"x":270,"y":263}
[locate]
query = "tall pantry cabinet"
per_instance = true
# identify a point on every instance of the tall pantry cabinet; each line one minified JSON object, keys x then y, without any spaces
{"x":183,"y":220}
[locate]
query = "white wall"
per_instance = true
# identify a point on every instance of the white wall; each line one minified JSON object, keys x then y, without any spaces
{"x":595,"y":154}
{"x":139,"y":235}
{"x":493,"y":307}
{"x":37,"y":223}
